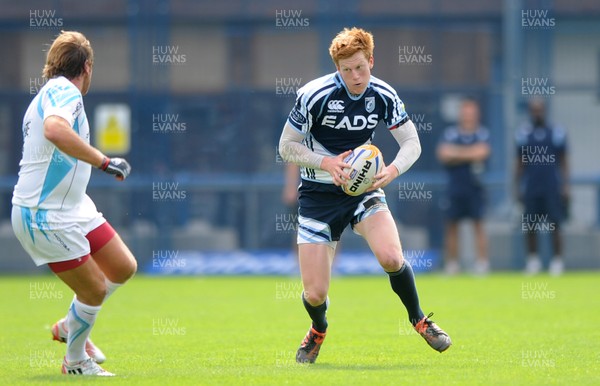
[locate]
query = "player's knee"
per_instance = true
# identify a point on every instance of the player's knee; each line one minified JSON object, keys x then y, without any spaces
{"x":126,"y":272}
{"x":93,"y":295}
{"x":315,"y":297}
{"x":390,"y":258}
{"x":132,"y":269}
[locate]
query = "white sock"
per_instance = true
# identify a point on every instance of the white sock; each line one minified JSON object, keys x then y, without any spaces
{"x":532,"y":257}
{"x":557,"y":258}
{"x":80,"y":321}
{"x":110,"y":287}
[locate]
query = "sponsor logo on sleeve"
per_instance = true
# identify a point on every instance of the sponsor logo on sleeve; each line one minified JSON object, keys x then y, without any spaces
{"x":297,"y":117}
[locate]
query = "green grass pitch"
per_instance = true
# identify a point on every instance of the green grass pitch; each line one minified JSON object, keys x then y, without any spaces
{"x":506,"y":328}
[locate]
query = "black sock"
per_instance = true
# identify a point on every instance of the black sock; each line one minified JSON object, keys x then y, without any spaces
{"x":403,"y":284}
{"x":317,"y":314}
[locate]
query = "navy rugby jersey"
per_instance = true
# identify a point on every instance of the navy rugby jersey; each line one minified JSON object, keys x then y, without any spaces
{"x":539,"y":150}
{"x":464,"y":178}
{"x":334,"y":121}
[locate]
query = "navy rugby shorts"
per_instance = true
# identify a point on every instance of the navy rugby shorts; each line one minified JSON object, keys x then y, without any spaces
{"x":464,"y":206}
{"x":325,"y":211}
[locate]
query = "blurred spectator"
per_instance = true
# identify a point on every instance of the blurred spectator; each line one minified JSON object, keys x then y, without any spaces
{"x":463,"y":150}
{"x":542,"y":176}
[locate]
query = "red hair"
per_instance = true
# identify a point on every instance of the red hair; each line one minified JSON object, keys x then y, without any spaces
{"x":350,"y":41}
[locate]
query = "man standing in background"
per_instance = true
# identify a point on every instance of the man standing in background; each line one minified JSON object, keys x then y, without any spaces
{"x":463,"y":150}
{"x":542,"y":174}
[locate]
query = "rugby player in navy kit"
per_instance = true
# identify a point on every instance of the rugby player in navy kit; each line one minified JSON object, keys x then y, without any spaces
{"x":332,"y":115}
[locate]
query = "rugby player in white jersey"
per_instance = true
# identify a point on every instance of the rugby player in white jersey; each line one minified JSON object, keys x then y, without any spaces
{"x":52,"y":216}
{"x":332,"y":115}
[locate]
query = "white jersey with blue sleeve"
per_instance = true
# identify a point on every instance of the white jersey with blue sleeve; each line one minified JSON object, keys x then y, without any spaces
{"x":48,"y":178}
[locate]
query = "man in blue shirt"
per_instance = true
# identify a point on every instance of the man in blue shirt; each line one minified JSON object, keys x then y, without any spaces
{"x":463,"y":150}
{"x":542,"y":174}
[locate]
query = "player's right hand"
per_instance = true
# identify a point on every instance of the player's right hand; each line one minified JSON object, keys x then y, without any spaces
{"x":118,"y":167}
{"x":335,"y":166}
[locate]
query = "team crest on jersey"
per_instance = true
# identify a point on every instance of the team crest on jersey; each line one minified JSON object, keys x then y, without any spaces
{"x":369,"y":104}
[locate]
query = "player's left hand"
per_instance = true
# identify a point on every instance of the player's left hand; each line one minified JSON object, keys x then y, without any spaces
{"x":118,"y":167}
{"x":387,"y":175}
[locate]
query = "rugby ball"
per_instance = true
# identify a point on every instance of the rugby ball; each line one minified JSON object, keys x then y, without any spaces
{"x":366,"y":161}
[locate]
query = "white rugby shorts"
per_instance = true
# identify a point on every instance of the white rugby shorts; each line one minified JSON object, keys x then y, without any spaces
{"x":52,"y":236}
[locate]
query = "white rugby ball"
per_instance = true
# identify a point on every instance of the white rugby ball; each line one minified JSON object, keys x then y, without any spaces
{"x":366,"y":162}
